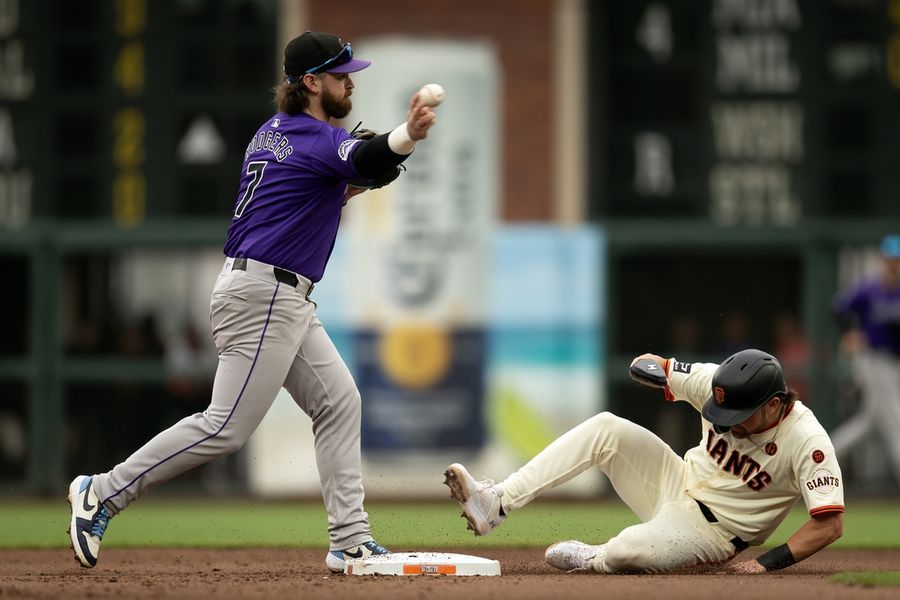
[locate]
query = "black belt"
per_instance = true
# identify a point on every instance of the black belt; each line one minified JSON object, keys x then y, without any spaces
{"x":708,"y":514}
{"x":285,"y":277}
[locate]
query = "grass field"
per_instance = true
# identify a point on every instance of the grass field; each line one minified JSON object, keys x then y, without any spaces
{"x":217,"y":523}
{"x":869,"y":579}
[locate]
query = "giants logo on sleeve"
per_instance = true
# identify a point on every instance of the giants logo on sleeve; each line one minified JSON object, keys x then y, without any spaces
{"x":822,"y":482}
{"x":345,"y":147}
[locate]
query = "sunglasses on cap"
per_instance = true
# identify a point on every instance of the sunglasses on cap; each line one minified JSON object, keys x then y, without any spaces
{"x":342,"y":57}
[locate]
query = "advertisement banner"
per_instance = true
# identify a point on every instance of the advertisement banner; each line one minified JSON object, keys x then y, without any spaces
{"x":418,"y":250}
{"x":544,"y":372}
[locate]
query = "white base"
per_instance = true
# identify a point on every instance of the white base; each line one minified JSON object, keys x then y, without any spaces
{"x":422,"y":563}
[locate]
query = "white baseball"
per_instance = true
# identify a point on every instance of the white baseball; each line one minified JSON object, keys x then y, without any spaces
{"x":431,"y":94}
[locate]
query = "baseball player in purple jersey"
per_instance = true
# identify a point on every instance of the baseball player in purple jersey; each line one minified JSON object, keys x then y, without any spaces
{"x":293,"y":187}
{"x":870,"y":317}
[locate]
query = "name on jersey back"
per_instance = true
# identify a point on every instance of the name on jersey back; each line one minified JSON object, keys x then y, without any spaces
{"x":270,"y":141}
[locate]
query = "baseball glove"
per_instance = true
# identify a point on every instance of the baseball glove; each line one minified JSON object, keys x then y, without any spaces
{"x":381,"y":180}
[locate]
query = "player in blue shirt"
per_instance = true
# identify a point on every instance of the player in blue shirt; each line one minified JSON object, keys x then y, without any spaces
{"x":293,"y":186}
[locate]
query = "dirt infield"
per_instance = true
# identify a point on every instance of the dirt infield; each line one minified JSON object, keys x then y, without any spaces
{"x":289,"y":573}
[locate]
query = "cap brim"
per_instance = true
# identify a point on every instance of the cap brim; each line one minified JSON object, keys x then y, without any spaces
{"x":726,"y":417}
{"x":890,"y":246}
{"x":352,"y":66}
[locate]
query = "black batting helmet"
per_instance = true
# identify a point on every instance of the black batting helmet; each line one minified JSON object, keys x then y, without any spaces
{"x":741,"y":385}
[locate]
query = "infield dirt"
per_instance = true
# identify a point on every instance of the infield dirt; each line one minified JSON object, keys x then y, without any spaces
{"x":288,"y":573}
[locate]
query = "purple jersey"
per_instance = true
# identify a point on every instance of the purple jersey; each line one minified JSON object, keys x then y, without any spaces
{"x":289,"y":202}
{"x":876,"y":309}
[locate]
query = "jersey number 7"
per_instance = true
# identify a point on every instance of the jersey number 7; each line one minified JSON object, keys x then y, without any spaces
{"x":256,"y":169}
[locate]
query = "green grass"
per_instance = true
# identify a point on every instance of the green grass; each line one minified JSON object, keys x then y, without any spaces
{"x":220,"y":523}
{"x":869,"y":578}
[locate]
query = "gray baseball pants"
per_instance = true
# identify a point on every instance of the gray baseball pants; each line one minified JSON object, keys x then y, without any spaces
{"x":268,"y":337}
{"x":878,"y":375}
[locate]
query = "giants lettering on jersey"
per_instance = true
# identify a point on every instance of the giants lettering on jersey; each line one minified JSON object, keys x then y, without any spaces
{"x":736,"y":463}
{"x":823,"y":482}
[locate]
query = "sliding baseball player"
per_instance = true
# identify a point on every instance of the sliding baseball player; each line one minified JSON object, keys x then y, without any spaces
{"x":761,"y":450}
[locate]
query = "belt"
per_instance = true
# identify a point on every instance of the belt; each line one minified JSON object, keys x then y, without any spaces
{"x":709,"y":516}
{"x":281,"y":275}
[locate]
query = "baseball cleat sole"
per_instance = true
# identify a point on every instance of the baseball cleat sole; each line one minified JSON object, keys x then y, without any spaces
{"x":459,"y":491}
{"x":69,"y":531}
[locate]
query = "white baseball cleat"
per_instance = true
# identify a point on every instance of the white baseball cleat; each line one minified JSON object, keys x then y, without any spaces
{"x":335,"y":560}
{"x":89,"y":520}
{"x":571,"y":555}
{"x":480,"y":500}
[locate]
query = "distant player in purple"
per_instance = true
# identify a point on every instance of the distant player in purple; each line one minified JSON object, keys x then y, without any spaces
{"x":293,"y":186}
{"x":870,"y":318}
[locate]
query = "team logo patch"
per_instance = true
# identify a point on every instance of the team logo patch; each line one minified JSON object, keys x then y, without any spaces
{"x":680,"y":367}
{"x":818,"y":456}
{"x":345,"y":147}
{"x":276,"y":123}
{"x":823,"y":482}
{"x":719,"y":395}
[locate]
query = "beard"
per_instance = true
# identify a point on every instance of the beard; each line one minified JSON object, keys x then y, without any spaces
{"x":336,"y":107}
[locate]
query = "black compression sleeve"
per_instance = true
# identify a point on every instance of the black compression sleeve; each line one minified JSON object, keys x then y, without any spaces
{"x":373,"y":157}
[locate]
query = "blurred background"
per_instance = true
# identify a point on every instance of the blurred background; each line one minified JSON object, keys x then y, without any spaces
{"x":607,"y":178}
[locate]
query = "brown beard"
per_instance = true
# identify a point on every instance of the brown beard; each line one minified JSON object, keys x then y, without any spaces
{"x":334,"y":107}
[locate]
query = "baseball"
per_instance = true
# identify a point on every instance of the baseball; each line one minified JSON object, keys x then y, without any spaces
{"x":431,"y":94}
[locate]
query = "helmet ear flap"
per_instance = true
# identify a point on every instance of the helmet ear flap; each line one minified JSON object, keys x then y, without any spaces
{"x":720,"y":429}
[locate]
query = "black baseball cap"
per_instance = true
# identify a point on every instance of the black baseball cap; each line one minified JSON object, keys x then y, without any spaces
{"x":318,"y":52}
{"x":741,"y":385}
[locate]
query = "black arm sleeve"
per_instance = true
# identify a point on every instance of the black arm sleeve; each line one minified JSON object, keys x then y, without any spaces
{"x":373,"y":157}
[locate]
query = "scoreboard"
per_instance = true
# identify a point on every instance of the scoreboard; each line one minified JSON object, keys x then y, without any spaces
{"x":745,"y":112}
{"x":739,"y":112}
{"x":124,"y":110}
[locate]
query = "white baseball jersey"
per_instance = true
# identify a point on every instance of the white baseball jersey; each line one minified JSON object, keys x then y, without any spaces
{"x":750,"y":490}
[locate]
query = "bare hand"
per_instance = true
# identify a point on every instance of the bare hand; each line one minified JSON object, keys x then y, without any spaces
{"x":419,"y":119}
{"x":746,"y":567}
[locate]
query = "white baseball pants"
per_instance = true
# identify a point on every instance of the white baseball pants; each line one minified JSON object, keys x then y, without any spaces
{"x":649,"y":477}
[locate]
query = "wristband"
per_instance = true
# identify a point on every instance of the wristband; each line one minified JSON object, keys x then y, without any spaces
{"x":777,"y":558}
{"x":399,"y":141}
